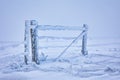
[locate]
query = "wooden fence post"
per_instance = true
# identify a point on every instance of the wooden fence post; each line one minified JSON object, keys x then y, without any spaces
{"x":34,"y":45}
{"x":28,"y":25}
{"x":84,"y":40}
{"x":26,"y":41}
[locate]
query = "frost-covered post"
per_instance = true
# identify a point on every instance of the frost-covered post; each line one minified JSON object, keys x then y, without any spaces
{"x":34,"y":45}
{"x":84,"y":40}
{"x":27,"y":42}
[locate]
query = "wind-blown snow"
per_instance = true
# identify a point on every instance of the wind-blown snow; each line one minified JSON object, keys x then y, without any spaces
{"x":102,"y":63}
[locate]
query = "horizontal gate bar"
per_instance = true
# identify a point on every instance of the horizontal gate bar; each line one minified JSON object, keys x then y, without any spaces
{"x":58,"y":27}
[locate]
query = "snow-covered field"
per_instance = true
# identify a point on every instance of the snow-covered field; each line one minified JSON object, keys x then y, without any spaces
{"x":101,"y":63}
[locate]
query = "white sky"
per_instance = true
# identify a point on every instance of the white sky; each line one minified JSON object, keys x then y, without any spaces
{"x":102,"y":16}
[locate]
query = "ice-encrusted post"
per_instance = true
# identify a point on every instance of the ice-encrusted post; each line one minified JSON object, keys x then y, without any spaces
{"x":34,"y":45}
{"x":28,"y":25}
{"x":84,"y":40}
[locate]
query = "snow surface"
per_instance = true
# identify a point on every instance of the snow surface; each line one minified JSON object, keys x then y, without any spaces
{"x":102,"y":63}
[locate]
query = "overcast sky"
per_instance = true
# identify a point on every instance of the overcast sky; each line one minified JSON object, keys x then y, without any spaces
{"x":102,"y":16}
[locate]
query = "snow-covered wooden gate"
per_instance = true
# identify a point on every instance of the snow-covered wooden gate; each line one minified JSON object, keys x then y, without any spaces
{"x":31,"y":38}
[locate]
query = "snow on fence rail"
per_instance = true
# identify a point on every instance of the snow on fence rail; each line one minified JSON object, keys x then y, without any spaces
{"x":31,"y":38}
